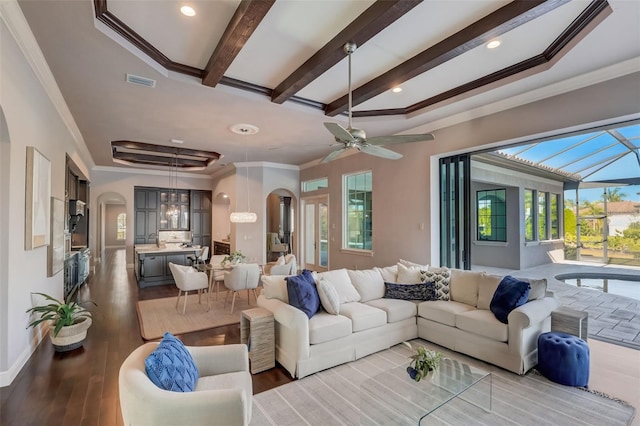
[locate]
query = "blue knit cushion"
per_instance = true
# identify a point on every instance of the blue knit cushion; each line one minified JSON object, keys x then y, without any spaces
{"x":303,"y":293}
{"x":171,"y":367}
{"x":510,"y":294}
{"x":563,"y":358}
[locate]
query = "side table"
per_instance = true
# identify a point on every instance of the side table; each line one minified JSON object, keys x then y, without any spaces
{"x":570,"y":321}
{"x":257,"y":330}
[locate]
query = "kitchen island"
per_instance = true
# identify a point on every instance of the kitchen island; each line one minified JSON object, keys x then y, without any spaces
{"x":152,"y":262}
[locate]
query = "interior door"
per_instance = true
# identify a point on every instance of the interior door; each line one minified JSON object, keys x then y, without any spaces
{"x":316,"y":233}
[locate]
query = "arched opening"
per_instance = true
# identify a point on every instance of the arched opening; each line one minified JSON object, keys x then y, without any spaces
{"x":281,"y":224}
{"x":221,"y":209}
{"x":112,"y":208}
{"x":5,"y":168}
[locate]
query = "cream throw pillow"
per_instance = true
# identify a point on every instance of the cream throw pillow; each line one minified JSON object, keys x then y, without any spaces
{"x":369,"y":284}
{"x":487,"y":285}
{"x":409,"y":274}
{"x":275,"y":287}
{"x":342,"y":283}
{"x":464,"y":286}
{"x":328,"y":296}
{"x":413,"y":264}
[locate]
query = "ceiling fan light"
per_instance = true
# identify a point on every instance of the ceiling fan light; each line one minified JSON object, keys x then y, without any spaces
{"x":243,"y":217}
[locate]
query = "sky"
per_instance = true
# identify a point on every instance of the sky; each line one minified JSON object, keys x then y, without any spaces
{"x":595,"y":156}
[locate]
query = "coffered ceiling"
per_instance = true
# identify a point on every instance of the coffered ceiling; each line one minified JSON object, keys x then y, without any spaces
{"x":278,"y":65}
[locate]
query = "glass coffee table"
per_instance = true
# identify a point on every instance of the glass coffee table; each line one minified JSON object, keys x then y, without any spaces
{"x":392,"y":397}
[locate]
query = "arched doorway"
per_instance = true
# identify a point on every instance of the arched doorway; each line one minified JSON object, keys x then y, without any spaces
{"x":281,"y":220}
{"x":5,"y":168}
{"x":115,"y":226}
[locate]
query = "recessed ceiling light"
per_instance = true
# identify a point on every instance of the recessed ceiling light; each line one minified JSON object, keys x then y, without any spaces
{"x":188,"y":11}
{"x":244,"y":129}
{"x":397,"y":89}
{"x":178,"y":141}
{"x":493,"y":44}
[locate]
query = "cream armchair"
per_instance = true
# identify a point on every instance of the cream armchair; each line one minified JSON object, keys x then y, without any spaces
{"x":223,"y":394}
{"x":274,"y":246}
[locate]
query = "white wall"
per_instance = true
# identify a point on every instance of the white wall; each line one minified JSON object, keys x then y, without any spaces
{"x":406,"y":191}
{"x":263,"y":178}
{"x":31,"y":120}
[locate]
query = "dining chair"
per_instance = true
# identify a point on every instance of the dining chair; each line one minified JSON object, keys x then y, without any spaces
{"x":188,"y":279}
{"x":244,"y":276}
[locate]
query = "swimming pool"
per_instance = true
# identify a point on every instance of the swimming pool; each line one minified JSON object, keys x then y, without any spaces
{"x":628,"y":286}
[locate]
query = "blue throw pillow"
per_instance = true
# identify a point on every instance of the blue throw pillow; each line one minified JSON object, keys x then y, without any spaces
{"x":303,"y":293}
{"x":510,"y":294}
{"x":423,"y":291}
{"x":171,"y":367}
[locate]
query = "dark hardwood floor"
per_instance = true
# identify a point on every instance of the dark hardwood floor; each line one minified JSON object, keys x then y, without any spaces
{"x":81,"y":387}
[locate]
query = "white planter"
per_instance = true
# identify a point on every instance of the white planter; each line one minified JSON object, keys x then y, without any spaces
{"x":70,"y":337}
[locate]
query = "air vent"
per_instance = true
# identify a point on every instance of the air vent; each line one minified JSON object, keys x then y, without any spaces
{"x":142,"y":81}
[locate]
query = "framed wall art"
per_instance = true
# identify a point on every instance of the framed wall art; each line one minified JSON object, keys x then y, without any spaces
{"x":38,"y":200}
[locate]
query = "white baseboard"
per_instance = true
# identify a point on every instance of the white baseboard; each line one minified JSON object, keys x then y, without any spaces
{"x":7,"y":377}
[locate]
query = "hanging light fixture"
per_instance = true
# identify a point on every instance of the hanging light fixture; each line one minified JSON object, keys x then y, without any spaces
{"x":172,"y":211}
{"x":248,"y":216}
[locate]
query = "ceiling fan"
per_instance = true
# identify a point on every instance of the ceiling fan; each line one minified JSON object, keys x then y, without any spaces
{"x":352,"y":138}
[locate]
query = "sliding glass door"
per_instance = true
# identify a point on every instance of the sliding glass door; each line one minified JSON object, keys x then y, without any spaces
{"x":455,"y":220}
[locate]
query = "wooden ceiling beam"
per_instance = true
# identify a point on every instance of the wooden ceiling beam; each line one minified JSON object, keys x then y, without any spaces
{"x":174,"y":150}
{"x":245,"y":20}
{"x":499,"y":22}
{"x":156,"y":160}
{"x":370,"y":22}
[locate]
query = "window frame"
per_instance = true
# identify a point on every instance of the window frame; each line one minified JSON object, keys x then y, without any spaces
{"x":367,"y":207}
{"x":121,"y":226}
{"x":493,"y":217}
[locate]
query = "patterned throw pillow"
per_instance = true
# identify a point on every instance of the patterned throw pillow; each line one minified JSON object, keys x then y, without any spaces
{"x":423,"y":291}
{"x":171,"y":367}
{"x":440,"y":278}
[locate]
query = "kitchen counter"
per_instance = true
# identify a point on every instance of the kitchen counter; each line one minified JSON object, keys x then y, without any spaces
{"x":152,"y":262}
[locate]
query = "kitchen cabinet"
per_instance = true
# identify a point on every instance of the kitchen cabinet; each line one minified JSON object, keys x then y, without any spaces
{"x":145,"y":215}
{"x":174,"y":210}
{"x":220,"y":247}
{"x":152,"y":266}
{"x":201,"y":218}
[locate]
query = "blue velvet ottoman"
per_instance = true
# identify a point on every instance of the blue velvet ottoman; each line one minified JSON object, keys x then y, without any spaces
{"x":563,"y":358}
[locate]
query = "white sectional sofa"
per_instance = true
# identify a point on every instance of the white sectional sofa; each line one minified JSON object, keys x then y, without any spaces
{"x":368,"y":322}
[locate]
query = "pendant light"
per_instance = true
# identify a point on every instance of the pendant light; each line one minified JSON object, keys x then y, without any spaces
{"x":172,"y":211}
{"x":248,"y":216}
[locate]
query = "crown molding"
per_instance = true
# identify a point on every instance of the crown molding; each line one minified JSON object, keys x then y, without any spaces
{"x":153,"y":172}
{"x":14,"y":19}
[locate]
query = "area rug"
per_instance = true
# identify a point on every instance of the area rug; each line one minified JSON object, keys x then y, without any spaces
{"x":332,"y":397}
{"x":156,"y":316}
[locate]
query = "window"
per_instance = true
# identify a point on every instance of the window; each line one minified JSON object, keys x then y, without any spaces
{"x":358,"y":222}
{"x":528,"y":215}
{"x":491,"y":215}
{"x":121,"y":226}
{"x":313,"y":185}
{"x":542,"y":216}
{"x":555,"y":224}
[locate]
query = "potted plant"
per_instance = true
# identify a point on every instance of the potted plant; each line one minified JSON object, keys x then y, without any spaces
{"x":69,"y":322}
{"x":233,"y":259}
{"x":423,"y":362}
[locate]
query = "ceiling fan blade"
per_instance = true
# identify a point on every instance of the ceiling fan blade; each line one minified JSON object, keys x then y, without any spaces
{"x":333,"y":155}
{"x":397,"y":139}
{"x":339,"y":132}
{"x":379,"y":151}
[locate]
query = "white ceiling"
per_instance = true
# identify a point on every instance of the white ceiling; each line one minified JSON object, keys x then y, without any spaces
{"x":89,"y":62}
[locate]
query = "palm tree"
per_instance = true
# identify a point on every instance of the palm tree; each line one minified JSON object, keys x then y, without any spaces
{"x":615,"y":195}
